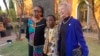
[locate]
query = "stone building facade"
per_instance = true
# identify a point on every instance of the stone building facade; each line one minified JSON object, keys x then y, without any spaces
{"x":50,"y":7}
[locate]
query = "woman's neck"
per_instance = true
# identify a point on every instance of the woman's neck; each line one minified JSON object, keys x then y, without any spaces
{"x":66,"y":18}
{"x":52,"y":27}
{"x":38,"y":19}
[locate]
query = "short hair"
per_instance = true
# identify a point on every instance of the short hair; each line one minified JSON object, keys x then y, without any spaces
{"x":66,"y":6}
{"x":53,"y":17}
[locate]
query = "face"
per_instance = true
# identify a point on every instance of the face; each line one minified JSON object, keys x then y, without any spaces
{"x":50,"y":22}
{"x":63,"y":12}
{"x":37,"y":12}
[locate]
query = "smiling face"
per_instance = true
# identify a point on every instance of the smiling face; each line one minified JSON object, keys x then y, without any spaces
{"x":37,"y":12}
{"x":50,"y":21}
{"x":63,"y":11}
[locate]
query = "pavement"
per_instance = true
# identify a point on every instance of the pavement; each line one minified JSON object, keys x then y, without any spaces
{"x":13,"y":37}
{"x":91,"y":35}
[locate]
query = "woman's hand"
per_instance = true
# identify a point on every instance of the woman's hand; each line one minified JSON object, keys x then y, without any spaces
{"x":31,"y":42}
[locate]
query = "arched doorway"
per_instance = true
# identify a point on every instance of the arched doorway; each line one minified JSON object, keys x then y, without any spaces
{"x":82,"y":13}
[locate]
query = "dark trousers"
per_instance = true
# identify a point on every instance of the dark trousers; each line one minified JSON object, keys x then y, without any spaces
{"x":2,"y":34}
{"x":30,"y":50}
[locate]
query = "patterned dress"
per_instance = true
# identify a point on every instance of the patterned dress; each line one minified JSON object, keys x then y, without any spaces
{"x":51,"y":37}
{"x":39,"y":38}
{"x":31,"y":31}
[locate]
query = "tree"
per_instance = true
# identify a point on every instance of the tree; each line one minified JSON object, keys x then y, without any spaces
{"x":11,"y":5}
{"x":4,"y":1}
{"x":12,"y":12}
{"x":20,"y":3}
{"x":12,"y":15}
{"x":0,"y":8}
{"x":95,"y":5}
{"x":0,"y":11}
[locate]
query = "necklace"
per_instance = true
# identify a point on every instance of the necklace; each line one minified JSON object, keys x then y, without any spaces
{"x":51,"y":33}
{"x":66,"y":21}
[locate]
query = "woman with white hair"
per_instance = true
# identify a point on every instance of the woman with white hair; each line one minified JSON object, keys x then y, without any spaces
{"x":71,"y":41}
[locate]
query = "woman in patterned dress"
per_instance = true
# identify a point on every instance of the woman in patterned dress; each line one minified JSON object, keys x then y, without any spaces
{"x":40,"y":24}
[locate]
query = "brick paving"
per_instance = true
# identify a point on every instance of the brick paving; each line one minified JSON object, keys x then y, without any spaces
{"x":13,"y":37}
{"x":91,"y":35}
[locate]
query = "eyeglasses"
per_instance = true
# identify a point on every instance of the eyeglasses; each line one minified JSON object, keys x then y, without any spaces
{"x":37,"y":11}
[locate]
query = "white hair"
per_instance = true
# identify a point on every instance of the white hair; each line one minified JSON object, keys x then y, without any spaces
{"x":66,"y":6}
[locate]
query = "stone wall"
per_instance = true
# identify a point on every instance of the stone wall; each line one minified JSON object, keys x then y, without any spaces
{"x":48,"y":6}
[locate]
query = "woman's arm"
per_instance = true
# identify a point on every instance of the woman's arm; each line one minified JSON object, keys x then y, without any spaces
{"x":80,"y":37}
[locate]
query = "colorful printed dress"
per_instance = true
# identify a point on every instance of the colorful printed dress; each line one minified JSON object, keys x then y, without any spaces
{"x":51,"y":37}
{"x":31,"y":31}
{"x":39,"y":38}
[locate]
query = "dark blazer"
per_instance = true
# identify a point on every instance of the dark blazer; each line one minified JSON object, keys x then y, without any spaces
{"x":74,"y":37}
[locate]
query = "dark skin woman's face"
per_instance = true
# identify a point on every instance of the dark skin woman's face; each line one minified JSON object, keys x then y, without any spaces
{"x":37,"y":12}
{"x":50,"y":22}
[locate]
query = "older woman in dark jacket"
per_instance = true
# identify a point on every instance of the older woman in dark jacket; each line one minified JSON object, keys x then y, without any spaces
{"x":70,"y":34}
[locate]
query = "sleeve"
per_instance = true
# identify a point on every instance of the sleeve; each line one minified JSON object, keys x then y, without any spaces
{"x":81,"y":40}
{"x":59,"y":40}
{"x":27,"y":32}
{"x":29,"y":22}
{"x":55,"y":38}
